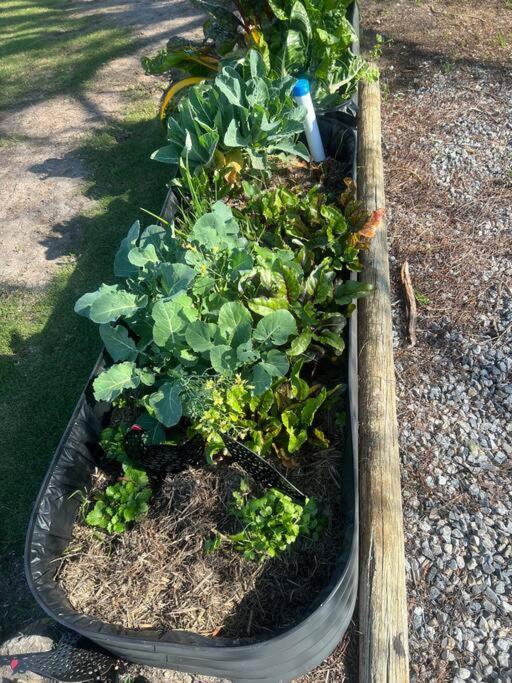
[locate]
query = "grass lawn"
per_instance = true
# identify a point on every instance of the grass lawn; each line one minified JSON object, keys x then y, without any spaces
{"x":46,"y":350}
{"x":46,"y":51}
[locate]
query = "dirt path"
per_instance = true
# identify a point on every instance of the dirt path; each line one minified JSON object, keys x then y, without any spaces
{"x":42,"y":178}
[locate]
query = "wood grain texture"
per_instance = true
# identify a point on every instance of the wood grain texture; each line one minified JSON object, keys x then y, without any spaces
{"x":383,"y":653}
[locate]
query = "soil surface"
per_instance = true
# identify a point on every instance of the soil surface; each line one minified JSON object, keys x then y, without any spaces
{"x":42,"y":178}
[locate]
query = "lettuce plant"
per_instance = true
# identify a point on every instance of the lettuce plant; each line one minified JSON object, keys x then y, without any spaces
{"x":243,"y":110}
{"x":272,"y":523}
{"x":122,"y":503}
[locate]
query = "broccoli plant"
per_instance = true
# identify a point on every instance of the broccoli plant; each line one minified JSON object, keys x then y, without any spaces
{"x":180,"y":315}
{"x":240,"y":118}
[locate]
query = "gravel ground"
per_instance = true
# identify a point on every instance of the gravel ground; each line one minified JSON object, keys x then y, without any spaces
{"x":450,"y":217}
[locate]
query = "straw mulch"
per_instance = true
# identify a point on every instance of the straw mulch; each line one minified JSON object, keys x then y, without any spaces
{"x":157,"y":575}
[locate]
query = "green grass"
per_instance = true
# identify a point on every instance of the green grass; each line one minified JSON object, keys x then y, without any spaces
{"x":46,"y":350}
{"x":46,"y":51}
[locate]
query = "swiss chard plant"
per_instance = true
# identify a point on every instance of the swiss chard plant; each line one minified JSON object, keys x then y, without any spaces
{"x":314,"y":38}
{"x":305,"y":221}
{"x":240,"y":118}
{"x":310,"y":38}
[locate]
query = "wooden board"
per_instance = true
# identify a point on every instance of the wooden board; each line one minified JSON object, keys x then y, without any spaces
{"x":383,"y":646}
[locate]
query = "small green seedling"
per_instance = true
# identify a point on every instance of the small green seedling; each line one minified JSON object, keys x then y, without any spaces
{"x":272,"y":523}
{"x":122,"y":503}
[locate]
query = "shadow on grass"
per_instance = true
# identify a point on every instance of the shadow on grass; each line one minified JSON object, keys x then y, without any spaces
{"x":47,"y":48}
{"x":47,"y":350}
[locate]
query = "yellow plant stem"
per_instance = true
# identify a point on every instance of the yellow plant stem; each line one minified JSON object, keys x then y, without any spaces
{"x":176,"y":88}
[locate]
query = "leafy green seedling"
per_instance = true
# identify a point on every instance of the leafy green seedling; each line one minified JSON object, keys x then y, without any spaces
{"x":272,"y":523}
{"x":122,"y":503}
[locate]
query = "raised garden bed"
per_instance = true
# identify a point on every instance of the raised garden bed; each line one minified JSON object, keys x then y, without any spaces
{"x":153,"y":594}
{"x":310,"y":626}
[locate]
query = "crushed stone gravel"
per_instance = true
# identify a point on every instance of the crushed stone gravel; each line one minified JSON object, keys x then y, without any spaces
{"x":454,"y":387}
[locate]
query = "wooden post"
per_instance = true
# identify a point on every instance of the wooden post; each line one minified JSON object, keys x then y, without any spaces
{"x":383,"y":645}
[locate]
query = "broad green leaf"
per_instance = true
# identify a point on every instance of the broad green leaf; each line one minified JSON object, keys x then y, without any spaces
{"x":230,"y":85}
{"x":97,"y":516}
{"x":241,"y":335}
{"x":256,"y":64}
{"x":223,"y":359}
{"x":170,"y":316}
{"x":113,"y":303}
{"x":176,"y":277}
{"x":293,"y":286}
{"x":233,"y":137}
{"x":263,"y":305}
{"x":258,"y":161}
{"x":300,"y":343}
{"x":186,"y":357}
{"x":246,"y":354}
{"x":118,"y":343}
{"x":159,"y":237}
{"x":276,"y":327}
{"x":240,"y":261}
{"x":84,"y":303}
{"x":350,"y":290}
{"x":299,"y":149}
{"x":275,"y":363}
{"x":279,"y":8}
{"x":331,"y":339}
{"x":260,"y":379}
{"x":122,"y":266}
{"x":296,"y":440}
{"x":290,"y":419}
{"x":199,"y":336}
{"x":112,"y":382}
{"x":154,"y":430}
{"x":231,"y":316}
{"x":141,"y":256}
{"x":311,"y":405}
{"x":300,"y":388}
{"x":166,"y":403}
{"x":319,"y":284}
{"x":202,"y":285}
{"x":169,"y":154}
{"x":146,"y":376}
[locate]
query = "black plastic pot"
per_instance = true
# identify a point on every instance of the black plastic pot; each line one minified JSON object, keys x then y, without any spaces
{"x":280,"y":657}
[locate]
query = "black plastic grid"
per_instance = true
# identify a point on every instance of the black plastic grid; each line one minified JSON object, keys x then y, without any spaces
{"x":73,"y":660}
{"x":158,"y":459}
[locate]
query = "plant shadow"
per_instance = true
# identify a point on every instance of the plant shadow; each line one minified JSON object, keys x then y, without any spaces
{"x":42,"y":374}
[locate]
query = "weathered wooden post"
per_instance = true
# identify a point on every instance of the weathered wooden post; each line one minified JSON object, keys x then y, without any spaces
{"x":383,"y":651}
